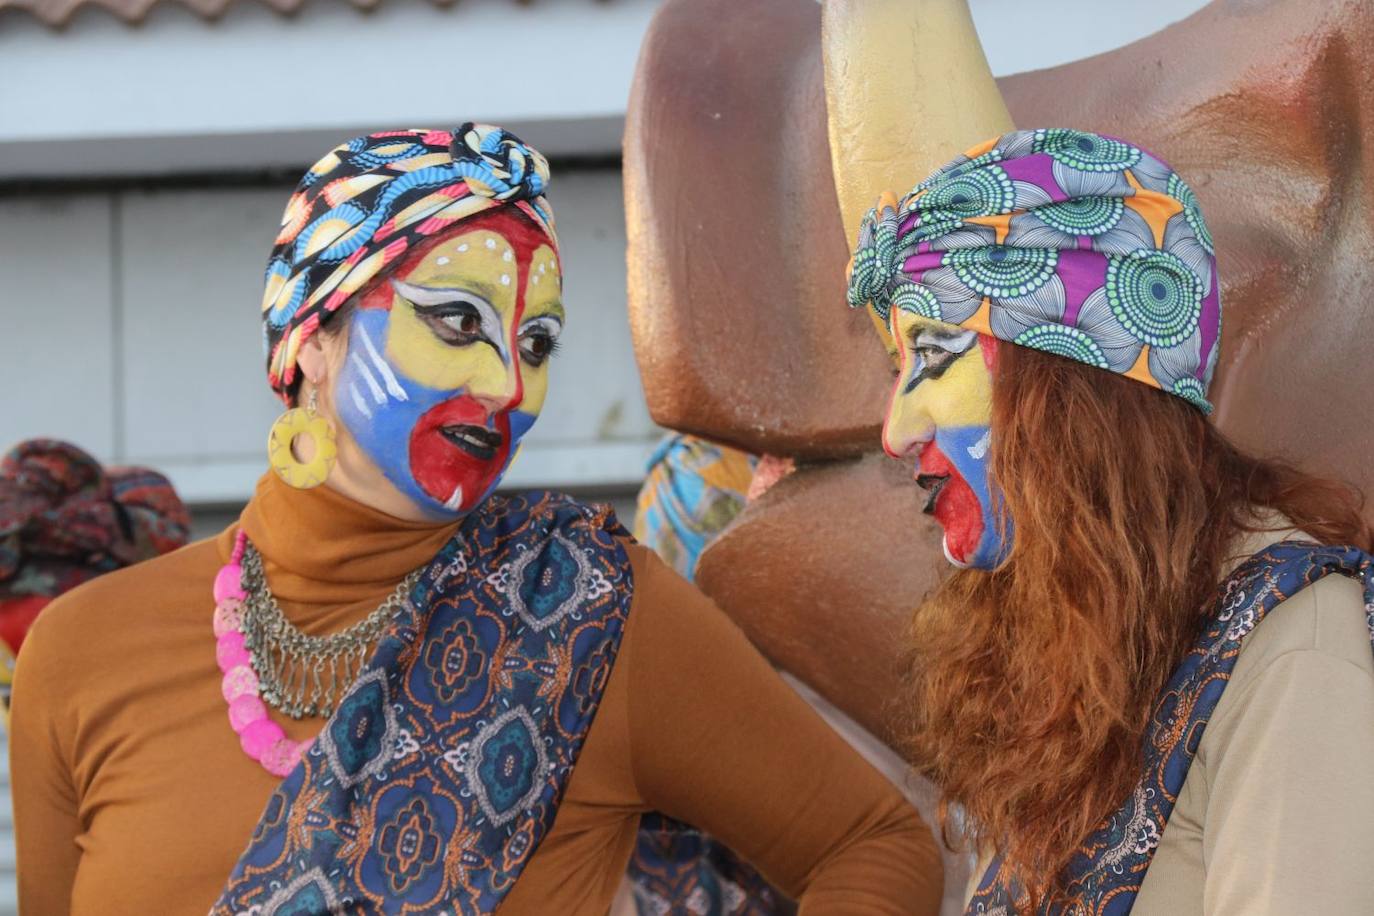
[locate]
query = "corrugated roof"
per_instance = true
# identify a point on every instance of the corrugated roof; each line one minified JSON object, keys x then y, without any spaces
{"x":57,"y":13}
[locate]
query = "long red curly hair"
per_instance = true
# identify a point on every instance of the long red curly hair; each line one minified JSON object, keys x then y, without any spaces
{"x":1032,"y":684}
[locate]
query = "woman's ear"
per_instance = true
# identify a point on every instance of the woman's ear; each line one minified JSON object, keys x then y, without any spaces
{"x":311,"y":360}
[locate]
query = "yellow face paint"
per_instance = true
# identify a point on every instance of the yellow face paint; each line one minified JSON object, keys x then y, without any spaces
{"x":482,"y":265}
{"x":939,"y":418}
{"x":934,"y":386}
{"x":447,"y":363}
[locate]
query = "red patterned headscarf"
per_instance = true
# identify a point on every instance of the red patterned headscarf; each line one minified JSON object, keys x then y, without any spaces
{"x":64,"y":520}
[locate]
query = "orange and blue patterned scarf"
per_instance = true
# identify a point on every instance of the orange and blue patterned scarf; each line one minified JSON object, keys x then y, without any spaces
{"x":1105,"y":874}
{"x":433,"y":784}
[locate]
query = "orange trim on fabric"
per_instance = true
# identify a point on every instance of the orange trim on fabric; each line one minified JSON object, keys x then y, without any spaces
{"x":985,"y":147}
{"x":1000,"y":224}
{"x":1155,"y":208}
{"x":981,"y":320}
{"x":1140,"y":370}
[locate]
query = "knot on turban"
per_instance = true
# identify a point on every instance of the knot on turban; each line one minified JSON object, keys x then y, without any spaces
{"x":497,"y":164}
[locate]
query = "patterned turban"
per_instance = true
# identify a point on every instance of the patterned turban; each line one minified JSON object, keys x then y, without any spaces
{"x":65,"y":519}
{"x":358,"y":211}
{"x":1069,"y":242}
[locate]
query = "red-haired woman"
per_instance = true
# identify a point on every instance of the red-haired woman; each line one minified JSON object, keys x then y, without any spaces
{"x":1146,"y":690}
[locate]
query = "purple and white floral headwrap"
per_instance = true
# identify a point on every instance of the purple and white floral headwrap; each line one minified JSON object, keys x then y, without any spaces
{"x":1069,"y":242}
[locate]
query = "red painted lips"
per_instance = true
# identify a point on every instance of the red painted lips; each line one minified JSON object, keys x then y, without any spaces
{"x":458,"y":445}
{"x":952,"y":502}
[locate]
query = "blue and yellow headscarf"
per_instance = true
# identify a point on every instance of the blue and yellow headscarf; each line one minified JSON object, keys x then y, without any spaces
{"x":367,"y":202}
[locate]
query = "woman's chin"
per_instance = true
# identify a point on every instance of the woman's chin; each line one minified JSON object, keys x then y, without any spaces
{"x":949,"y":554}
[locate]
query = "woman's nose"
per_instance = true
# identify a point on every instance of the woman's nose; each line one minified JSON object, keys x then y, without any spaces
{"x":907,"y":427}
{"x":498,"y":388}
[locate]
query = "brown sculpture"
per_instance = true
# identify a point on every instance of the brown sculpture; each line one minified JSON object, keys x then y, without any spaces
{"x":737,"y":282}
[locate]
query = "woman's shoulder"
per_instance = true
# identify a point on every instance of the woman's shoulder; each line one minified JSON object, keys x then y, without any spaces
{"x":1327,"y":618}
{"x":1304,"y":670}
{"x":109,"y":613}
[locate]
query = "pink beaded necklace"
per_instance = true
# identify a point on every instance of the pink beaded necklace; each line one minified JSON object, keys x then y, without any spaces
{"x":260,"y":737}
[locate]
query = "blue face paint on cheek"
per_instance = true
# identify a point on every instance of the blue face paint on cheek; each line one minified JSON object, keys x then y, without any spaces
{"x":967,"y":448}
{"x":396,"y":422}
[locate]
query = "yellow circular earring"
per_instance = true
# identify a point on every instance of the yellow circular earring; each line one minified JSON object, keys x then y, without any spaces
{"x":298,"y":421}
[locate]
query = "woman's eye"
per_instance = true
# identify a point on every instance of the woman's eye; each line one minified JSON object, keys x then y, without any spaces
{"x":455,"y":323}
{"x":537,"y":347}
{"x":468,"y":324}
{"x":933,"y":361}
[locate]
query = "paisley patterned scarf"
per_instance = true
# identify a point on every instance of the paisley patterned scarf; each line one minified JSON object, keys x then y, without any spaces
{"x":1106,"y":873}
{"x":434,"y":782}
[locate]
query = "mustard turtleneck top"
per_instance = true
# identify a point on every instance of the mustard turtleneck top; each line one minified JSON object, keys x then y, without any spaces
{"x":131,"y":795}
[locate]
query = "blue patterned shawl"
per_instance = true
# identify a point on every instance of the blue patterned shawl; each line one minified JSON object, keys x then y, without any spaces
{"x":432,"y":785}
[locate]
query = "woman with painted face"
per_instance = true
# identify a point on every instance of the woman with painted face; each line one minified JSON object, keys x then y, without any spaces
{"x":1150,"y":686}
{"x":385,"y":688}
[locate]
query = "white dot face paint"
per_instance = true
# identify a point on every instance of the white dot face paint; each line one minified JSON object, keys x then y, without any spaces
{"x":463,"y":247}
{"x":491,"y":243}
{"x":441,"y":260}
{"x":508,"y":256}
{"x":505,"y":279}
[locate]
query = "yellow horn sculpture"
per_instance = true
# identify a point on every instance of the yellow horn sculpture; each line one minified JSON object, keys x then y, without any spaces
{"x":907,"y":88}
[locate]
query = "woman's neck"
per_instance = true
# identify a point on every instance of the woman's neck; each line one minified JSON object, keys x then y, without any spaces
{"x":320,"y":546}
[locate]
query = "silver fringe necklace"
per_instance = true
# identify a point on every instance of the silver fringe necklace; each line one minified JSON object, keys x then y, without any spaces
{"x":302,"y":675}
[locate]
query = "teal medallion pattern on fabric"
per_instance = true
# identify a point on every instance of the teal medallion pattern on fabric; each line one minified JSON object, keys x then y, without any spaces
{"x":918,"y":300}
{"x":1105,"y":873}
{"x":1084,"y":216}
{"x":1155,"y":297}
{"x":434,"y":782}
{"x":1179,"y":188}
{"x":358,"y":739}
{"x":974,"y":193}
{"x":1084,"y":151}
{"x":1001,"y":271}
{"x":1062,"y":341}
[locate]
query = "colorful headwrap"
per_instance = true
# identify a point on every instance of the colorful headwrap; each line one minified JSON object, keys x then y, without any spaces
{"x":65,"y":520}
{"x":1069,"y":242}
{"x":358,"y":211}
{"x":694,"y":489}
